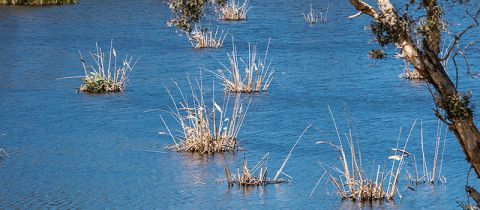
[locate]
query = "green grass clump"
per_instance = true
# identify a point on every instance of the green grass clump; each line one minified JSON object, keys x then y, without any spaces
{"x":36,"y":2}
{"x":106,"y":75}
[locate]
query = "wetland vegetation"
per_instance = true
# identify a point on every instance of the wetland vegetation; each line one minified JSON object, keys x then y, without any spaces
{"x":103,"y":142}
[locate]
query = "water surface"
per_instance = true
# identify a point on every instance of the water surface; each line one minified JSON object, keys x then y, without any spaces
{"x":74,"y":150}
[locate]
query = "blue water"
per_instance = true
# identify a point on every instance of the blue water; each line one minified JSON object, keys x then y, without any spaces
{"x":74,"y":150}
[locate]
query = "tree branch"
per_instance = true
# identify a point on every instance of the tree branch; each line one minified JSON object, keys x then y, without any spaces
{"x":459,"y":35}
{"x":363,"y":8}
{"x":355,"y":15}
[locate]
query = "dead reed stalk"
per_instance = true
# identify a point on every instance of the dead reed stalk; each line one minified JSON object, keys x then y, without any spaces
{"x":258,"y":73}
{"x":352,"y":182}
{"x":206,"y":39}
{"x":106,"y":75}
{"x":435,"y":175}
{"x":3,"y":153}
{"x":206,"y":129}
{"x":233,"y":11}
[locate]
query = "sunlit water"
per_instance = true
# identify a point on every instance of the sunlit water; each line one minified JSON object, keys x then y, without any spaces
{"x":74,"y":150}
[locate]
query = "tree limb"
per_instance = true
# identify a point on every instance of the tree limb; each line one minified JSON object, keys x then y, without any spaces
{"x":355,"y":15}
{"x":459,"y":35}
{"x":363,"y":8}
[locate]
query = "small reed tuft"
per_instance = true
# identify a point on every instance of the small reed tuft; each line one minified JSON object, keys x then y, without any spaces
{"x":233,"y":11}
{"x":247,"y":177}
{"x":201,"y":39}
{"x":412,"y":75}
{"x":313,"y":17}
{"x":258,"y":72}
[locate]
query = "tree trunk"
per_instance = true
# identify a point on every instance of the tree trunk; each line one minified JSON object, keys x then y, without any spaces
{"x":464,"y":129}
{"x":468,"y":136}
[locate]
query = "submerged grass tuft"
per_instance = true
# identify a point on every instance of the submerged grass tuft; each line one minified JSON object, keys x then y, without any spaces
{"x":106,"y":75}
{"x":258,"y":72}
{"x":206,"y":129}
{"x":313,"y":17}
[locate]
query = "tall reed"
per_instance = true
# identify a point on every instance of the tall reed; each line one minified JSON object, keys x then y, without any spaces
{"x":350,"y":179}
{"x":206,"y":129}
{"x":233,"y":11}
{"x":435,"y":174}
{"x":106,"y":75}
{"x":258,"y":72}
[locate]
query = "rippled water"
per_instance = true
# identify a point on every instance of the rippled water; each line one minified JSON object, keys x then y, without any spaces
{"x":73,"y":150}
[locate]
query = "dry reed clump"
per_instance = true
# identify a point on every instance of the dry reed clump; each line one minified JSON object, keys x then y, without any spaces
{"x":205,"y":129}
{"x":206,"y":39}
{"x":233,"y":11}
{"x":247,"y":178}
{"x":435,"y":175}
{"x":312,"y":17}
{"x":258,"y":73}
{"x":352,"y":182}
{"x":106,"y":75}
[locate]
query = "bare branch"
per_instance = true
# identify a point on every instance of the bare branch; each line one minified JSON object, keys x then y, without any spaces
{"x":363,"y":8}
{"x":355,"y":15}
{"x":459,"y":35}
{"x":463,"y":54}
